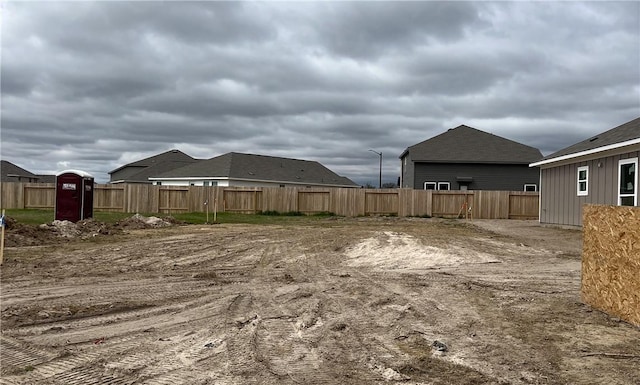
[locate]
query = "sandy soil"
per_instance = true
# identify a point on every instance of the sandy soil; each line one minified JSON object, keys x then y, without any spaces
{"x":337,"y":301}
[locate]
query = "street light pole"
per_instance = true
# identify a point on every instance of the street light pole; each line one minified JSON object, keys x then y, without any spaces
{"x":380,"y":179}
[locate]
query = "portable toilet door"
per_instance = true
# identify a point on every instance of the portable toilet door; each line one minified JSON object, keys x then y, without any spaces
{"x":74,"y":195}
{"x":87,"y":204}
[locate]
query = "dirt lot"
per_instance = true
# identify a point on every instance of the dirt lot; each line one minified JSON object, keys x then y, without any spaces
{"x":335,"y":301}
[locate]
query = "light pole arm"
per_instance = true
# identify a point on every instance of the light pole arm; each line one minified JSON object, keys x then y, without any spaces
{"x":380,"y":177}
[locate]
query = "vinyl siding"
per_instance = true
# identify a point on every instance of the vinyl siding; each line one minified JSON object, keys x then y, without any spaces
{"x":502,"y":177}
{"x":559,"y":201}
{"x":407,"y":171}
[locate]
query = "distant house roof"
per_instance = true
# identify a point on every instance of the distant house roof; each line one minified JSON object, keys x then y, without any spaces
{"x":623,"y":135}
{"x":142,"y":169}
{"x":46,"y":178}
{"x":464,"y":144}
{"x":250,"y":167}
{"x":12,"y":173}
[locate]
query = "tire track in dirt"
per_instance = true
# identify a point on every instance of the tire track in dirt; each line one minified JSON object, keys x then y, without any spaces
{"x":280,"y":305}
{"x":17,"y":357}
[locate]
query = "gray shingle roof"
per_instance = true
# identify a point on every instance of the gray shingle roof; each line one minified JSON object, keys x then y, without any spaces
{"x":158,"y":168}
{"x":165,"y":157}
{"x":622,"y":133}
{"x":11,"y":172}
{"x":260,"y":167}
{"x":465,"y":144}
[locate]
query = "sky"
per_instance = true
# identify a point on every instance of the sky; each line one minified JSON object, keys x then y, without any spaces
{"x":95,"y":85}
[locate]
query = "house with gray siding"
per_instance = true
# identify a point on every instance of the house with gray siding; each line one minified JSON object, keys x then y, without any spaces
{"x":250,"y":170}
{"x":465,"y":158}
{"x":10,"y":172}
{"x":602,"y":169}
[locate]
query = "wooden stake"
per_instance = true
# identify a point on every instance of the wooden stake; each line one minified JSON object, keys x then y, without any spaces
{"x":2,"y":238}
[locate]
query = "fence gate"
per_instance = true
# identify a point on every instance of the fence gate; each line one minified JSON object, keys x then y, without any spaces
{"x":242,"y":201}
{"x":313,"y":202}
{"x":173,"y":200}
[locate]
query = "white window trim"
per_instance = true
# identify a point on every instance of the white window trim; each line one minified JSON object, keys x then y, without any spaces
{"x":622,"y":162}
{"x":444,"y":183}
{"x":585,"y":180}
{"x":435,"y":185}
{"x":535,"y":187}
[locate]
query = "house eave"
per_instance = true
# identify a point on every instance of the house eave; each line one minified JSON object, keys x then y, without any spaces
{"x":302,"y":183}
{"x":190,"y":178}
{"x":586,"y":153}
{"x":468,"y":162}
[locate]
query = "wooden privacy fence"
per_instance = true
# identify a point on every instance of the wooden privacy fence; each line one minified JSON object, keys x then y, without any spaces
{"x":145,"y":198}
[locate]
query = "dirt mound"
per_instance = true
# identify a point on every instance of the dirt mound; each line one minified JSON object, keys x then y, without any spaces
{"x":19,"y":234}
{"x":138,"y":221}
{"x":391,"y":250}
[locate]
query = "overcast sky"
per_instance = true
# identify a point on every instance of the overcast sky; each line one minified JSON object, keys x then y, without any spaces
{"x":95,"y":85}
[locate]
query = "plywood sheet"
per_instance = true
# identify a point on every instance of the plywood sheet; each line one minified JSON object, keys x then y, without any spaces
{"x":611,"y":260}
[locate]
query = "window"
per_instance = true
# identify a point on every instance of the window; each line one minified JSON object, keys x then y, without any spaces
{"x":530,"y":187}
{"x":205,"y":183}
{"x":583,"y":181}
{"x":628,"y":182}
{"x":437,"y":186}
{"x":430,"y":185}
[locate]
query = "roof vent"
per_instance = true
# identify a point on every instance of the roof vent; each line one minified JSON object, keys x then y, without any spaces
{"x":593,"y":139}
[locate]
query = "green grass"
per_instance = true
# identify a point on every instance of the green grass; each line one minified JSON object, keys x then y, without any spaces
{"x":37,"y":217}
{"x":30,"y":216}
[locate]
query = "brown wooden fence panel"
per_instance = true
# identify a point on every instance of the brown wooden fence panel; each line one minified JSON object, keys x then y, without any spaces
{"x":416,"y":203}
{"x":282,"y":200}
{"x":173,"y":199}
{"x":381,"y":202}
{"x":348,"y":202}
{"x":491,"y":205}
{"x":196,"y":198}
{"x":12,"y":195}
{"x":313,"y":202}
{"x":109,"y":198}
{"x":523,"y":205}
{"x":451,"y":203}
{"x":39,"y":195}
{"x":242,"y":200}
{"x":141,"y":198}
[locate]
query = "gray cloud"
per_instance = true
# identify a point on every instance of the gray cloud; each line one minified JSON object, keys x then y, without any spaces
{"x":94,"y":85}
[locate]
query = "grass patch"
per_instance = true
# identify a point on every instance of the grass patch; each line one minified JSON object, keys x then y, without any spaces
{"x":271,"y":217}
{"x":37,"y":217}
{"x":30,"y":216}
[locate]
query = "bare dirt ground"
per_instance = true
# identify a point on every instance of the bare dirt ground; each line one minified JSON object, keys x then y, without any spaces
{"x":336,"y":301}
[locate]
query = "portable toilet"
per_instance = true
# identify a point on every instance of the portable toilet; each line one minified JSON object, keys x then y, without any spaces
{"x":74,"y":195}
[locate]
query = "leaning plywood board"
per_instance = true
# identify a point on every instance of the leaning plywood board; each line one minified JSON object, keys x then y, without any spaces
{"x":611,"y":260}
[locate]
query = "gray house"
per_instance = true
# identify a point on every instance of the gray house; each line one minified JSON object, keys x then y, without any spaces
{"x":249,"y":170}
{"x":12,"y":173}
{"x":465,"y":158}
{"x":139,"y":171}
{"x":599,"y":170}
